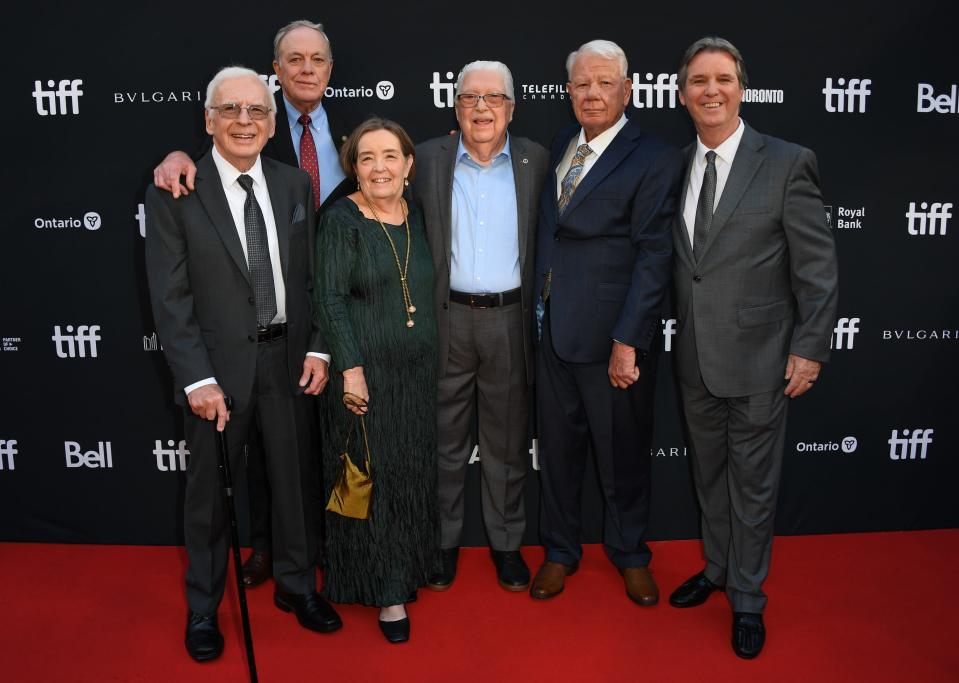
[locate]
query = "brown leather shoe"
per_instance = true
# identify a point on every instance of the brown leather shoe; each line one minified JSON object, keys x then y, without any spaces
{"x":550,"y":578}
{"x":257,"y":569}
{"x":640,"y":586}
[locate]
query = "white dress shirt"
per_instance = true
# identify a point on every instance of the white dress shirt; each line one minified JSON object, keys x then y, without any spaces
{"x":598,"y":145}
{"x":725,"y":153}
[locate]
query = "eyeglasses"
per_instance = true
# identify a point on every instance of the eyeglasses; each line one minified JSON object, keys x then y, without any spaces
{"x":231,"y":110}
{"x":492,"y":99}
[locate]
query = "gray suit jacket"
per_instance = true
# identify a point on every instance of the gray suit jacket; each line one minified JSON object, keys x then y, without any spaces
{"x":200,"y":286}
{"x":765,"y":285}
{"x":433,"y":191}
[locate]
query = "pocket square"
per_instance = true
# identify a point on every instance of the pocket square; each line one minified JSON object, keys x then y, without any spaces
{"x":299,"y":213}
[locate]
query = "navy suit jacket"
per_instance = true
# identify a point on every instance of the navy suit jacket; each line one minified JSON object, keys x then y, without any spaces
{"x":610,"y":251}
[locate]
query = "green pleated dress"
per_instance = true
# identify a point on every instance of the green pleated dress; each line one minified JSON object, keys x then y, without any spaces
{"x":359,"y":305}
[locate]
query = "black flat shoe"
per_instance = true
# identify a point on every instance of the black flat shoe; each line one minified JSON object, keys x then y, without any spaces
{"x":693,"y":592}
{"x":396,"y":631}
{"x":443,"y":579}
{"x":749,"y":634}
{"x":203,"y":638}
{"x":511,"y":571}
{"x":312,"y":611}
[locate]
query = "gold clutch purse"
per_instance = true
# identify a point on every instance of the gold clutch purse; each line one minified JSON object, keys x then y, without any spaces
{"x":353,"y":492}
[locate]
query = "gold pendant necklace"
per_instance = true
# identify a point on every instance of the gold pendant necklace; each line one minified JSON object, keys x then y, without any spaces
{"x":404,"y":269}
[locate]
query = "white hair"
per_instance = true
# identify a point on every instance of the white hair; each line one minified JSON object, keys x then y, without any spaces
{"x":230,"y":72}
{"x":482,"y":65}
{"x":606,"y":49}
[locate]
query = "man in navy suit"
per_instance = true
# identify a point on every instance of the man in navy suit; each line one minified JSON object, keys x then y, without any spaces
{"x":602,"y":267}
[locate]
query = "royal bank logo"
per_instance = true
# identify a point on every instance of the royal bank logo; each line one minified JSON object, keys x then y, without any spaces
{"x":929,"y":218}
{"x":100,"y":458}
{"x":383,"y":90}
{"x":912,"y":445}
{"x":8,"y":454}
{"x":669,"y":329}
{"x":543,"y":91}
{"x":171,"y":458}
{"x":847,"y":96}
{"x":847,"y":444}
{"x":845,"y":217}
{"x":151,"y":343}
{"x":928,"y":101}
{"x":79,"y":344}
{"x":844,"y":334}
{"x":157,"y":96}
{"x":89,"y":221}
{"x":921,"y":335}
{"x":11,"y":343}
{"x":58,"y":98}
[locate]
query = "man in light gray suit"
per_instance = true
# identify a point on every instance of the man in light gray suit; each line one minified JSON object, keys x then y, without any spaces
{"x":755,"y":276}
{"x":478,"y":191}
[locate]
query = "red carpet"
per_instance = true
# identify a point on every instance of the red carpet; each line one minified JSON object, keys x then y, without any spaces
{"x":863,"y":607}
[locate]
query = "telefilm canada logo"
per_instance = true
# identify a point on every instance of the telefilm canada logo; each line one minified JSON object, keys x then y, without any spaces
{"x":8,"y":454}
{"x":847,"y":96}
{"x":847,"y":444}
{"x":89,"y":221}
{"x":913,"y":444}
{"x":928,"y":218}
{"x":58,"y":98}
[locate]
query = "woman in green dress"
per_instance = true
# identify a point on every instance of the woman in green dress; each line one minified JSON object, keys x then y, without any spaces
{"x":373,"y":299}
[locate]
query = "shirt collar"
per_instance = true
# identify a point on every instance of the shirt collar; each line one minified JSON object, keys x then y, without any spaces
{"x":503,"y":153}
{"x":603,"y":140}
{"x":317,"y":116}
{"x":229,"y":173}
{"x":726,"y":151}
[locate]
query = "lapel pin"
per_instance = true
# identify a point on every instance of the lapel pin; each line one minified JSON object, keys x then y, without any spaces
{"x":525,"y":160}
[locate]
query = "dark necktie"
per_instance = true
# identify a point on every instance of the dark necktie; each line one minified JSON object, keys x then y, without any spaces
{"x":308,"y":160}
{"x":707,"y":200}
{"x":258,"y":255}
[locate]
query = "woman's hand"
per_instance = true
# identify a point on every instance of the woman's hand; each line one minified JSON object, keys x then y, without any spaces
{"x":355,"y":393}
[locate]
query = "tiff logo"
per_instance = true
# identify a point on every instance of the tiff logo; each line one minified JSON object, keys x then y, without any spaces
{"x":71,"y":345}
{"x":669,"y":329}
{"x":844,"y":334}
{"x":442,"y":91}
{"x":906,"y":446}
{"x":141,"y":218}
{"x":655,"y":94}
{"x":844,"y":99}
{"x":172,"y":459}
{"x":8,"y":450}
{"x":65,"y":94}
{"x":932,"y":218}
{"x":100,"y":458}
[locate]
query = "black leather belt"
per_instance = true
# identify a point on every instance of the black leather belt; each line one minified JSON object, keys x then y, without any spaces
{"x":264,"y":335}
{"x":486,"y":300}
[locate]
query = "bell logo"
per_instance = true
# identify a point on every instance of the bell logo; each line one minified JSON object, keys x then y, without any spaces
{"x":669,"y":329}
{"x":933,"y":219}
{"x":907,"y":447}
{"x":844,"y":334}
{"x":927,"y":100}
{"x":442,"y":91}
{"x":172,"y":459}
{"x":100,"y":458}
{"x":59,"y":98}
{"x":851,"y":98}
{"x":71,"y":345}
{"x":8,"y":452}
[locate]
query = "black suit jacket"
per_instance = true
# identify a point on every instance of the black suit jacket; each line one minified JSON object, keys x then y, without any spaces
{"x":610,"y":250}
{"x":200,"y":285}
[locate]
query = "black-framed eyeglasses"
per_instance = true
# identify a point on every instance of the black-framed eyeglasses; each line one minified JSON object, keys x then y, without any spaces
{"x":231,"y":110}
{"x":492,"y":99}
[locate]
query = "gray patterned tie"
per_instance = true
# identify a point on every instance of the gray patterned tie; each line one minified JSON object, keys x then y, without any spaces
{"x":258,"y":255}
{"x":707,"y":200}
{"x":569,"y":180}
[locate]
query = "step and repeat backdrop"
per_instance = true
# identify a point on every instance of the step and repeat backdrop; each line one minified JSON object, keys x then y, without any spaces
{"x":91,"y":448}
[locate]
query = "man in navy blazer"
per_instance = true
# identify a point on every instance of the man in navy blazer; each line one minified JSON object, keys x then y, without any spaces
{"x":602,"y":267}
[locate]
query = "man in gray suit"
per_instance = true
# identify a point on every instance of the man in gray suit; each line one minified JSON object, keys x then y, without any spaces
{"x":229,"y":267}
{"x":755,"y":277}
{"x":478,"y":192}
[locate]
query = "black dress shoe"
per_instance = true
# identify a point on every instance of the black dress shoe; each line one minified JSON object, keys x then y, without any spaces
{"x":693,"y":592}
{"x":203,"y":638}
{"x":312,"y":611}
{"x":442,"y":580}
{"x":749,"y":634}
{"x":511,"y":570}
{"x":396,"y":631}
{"x":257,"y":568}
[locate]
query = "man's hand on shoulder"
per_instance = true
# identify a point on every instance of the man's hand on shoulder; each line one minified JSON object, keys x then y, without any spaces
{"x":166,"y":176}
{"x":207,"y":402}
{"x":623,"y":370}
{"x":802,"y":374}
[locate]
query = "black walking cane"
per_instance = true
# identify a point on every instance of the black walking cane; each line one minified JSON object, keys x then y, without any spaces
{"x":227,"y":480}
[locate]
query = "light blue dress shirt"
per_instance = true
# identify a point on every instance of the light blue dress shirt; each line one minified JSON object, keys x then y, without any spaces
{"x":485,"y":240}
{"x":327,"y":158}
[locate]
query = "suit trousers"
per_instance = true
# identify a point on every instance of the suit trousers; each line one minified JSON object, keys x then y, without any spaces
{"x":283,"y":421}
{"x":577,"y":406}
{"x":737,"y":452}
{"x":486,"y":371}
